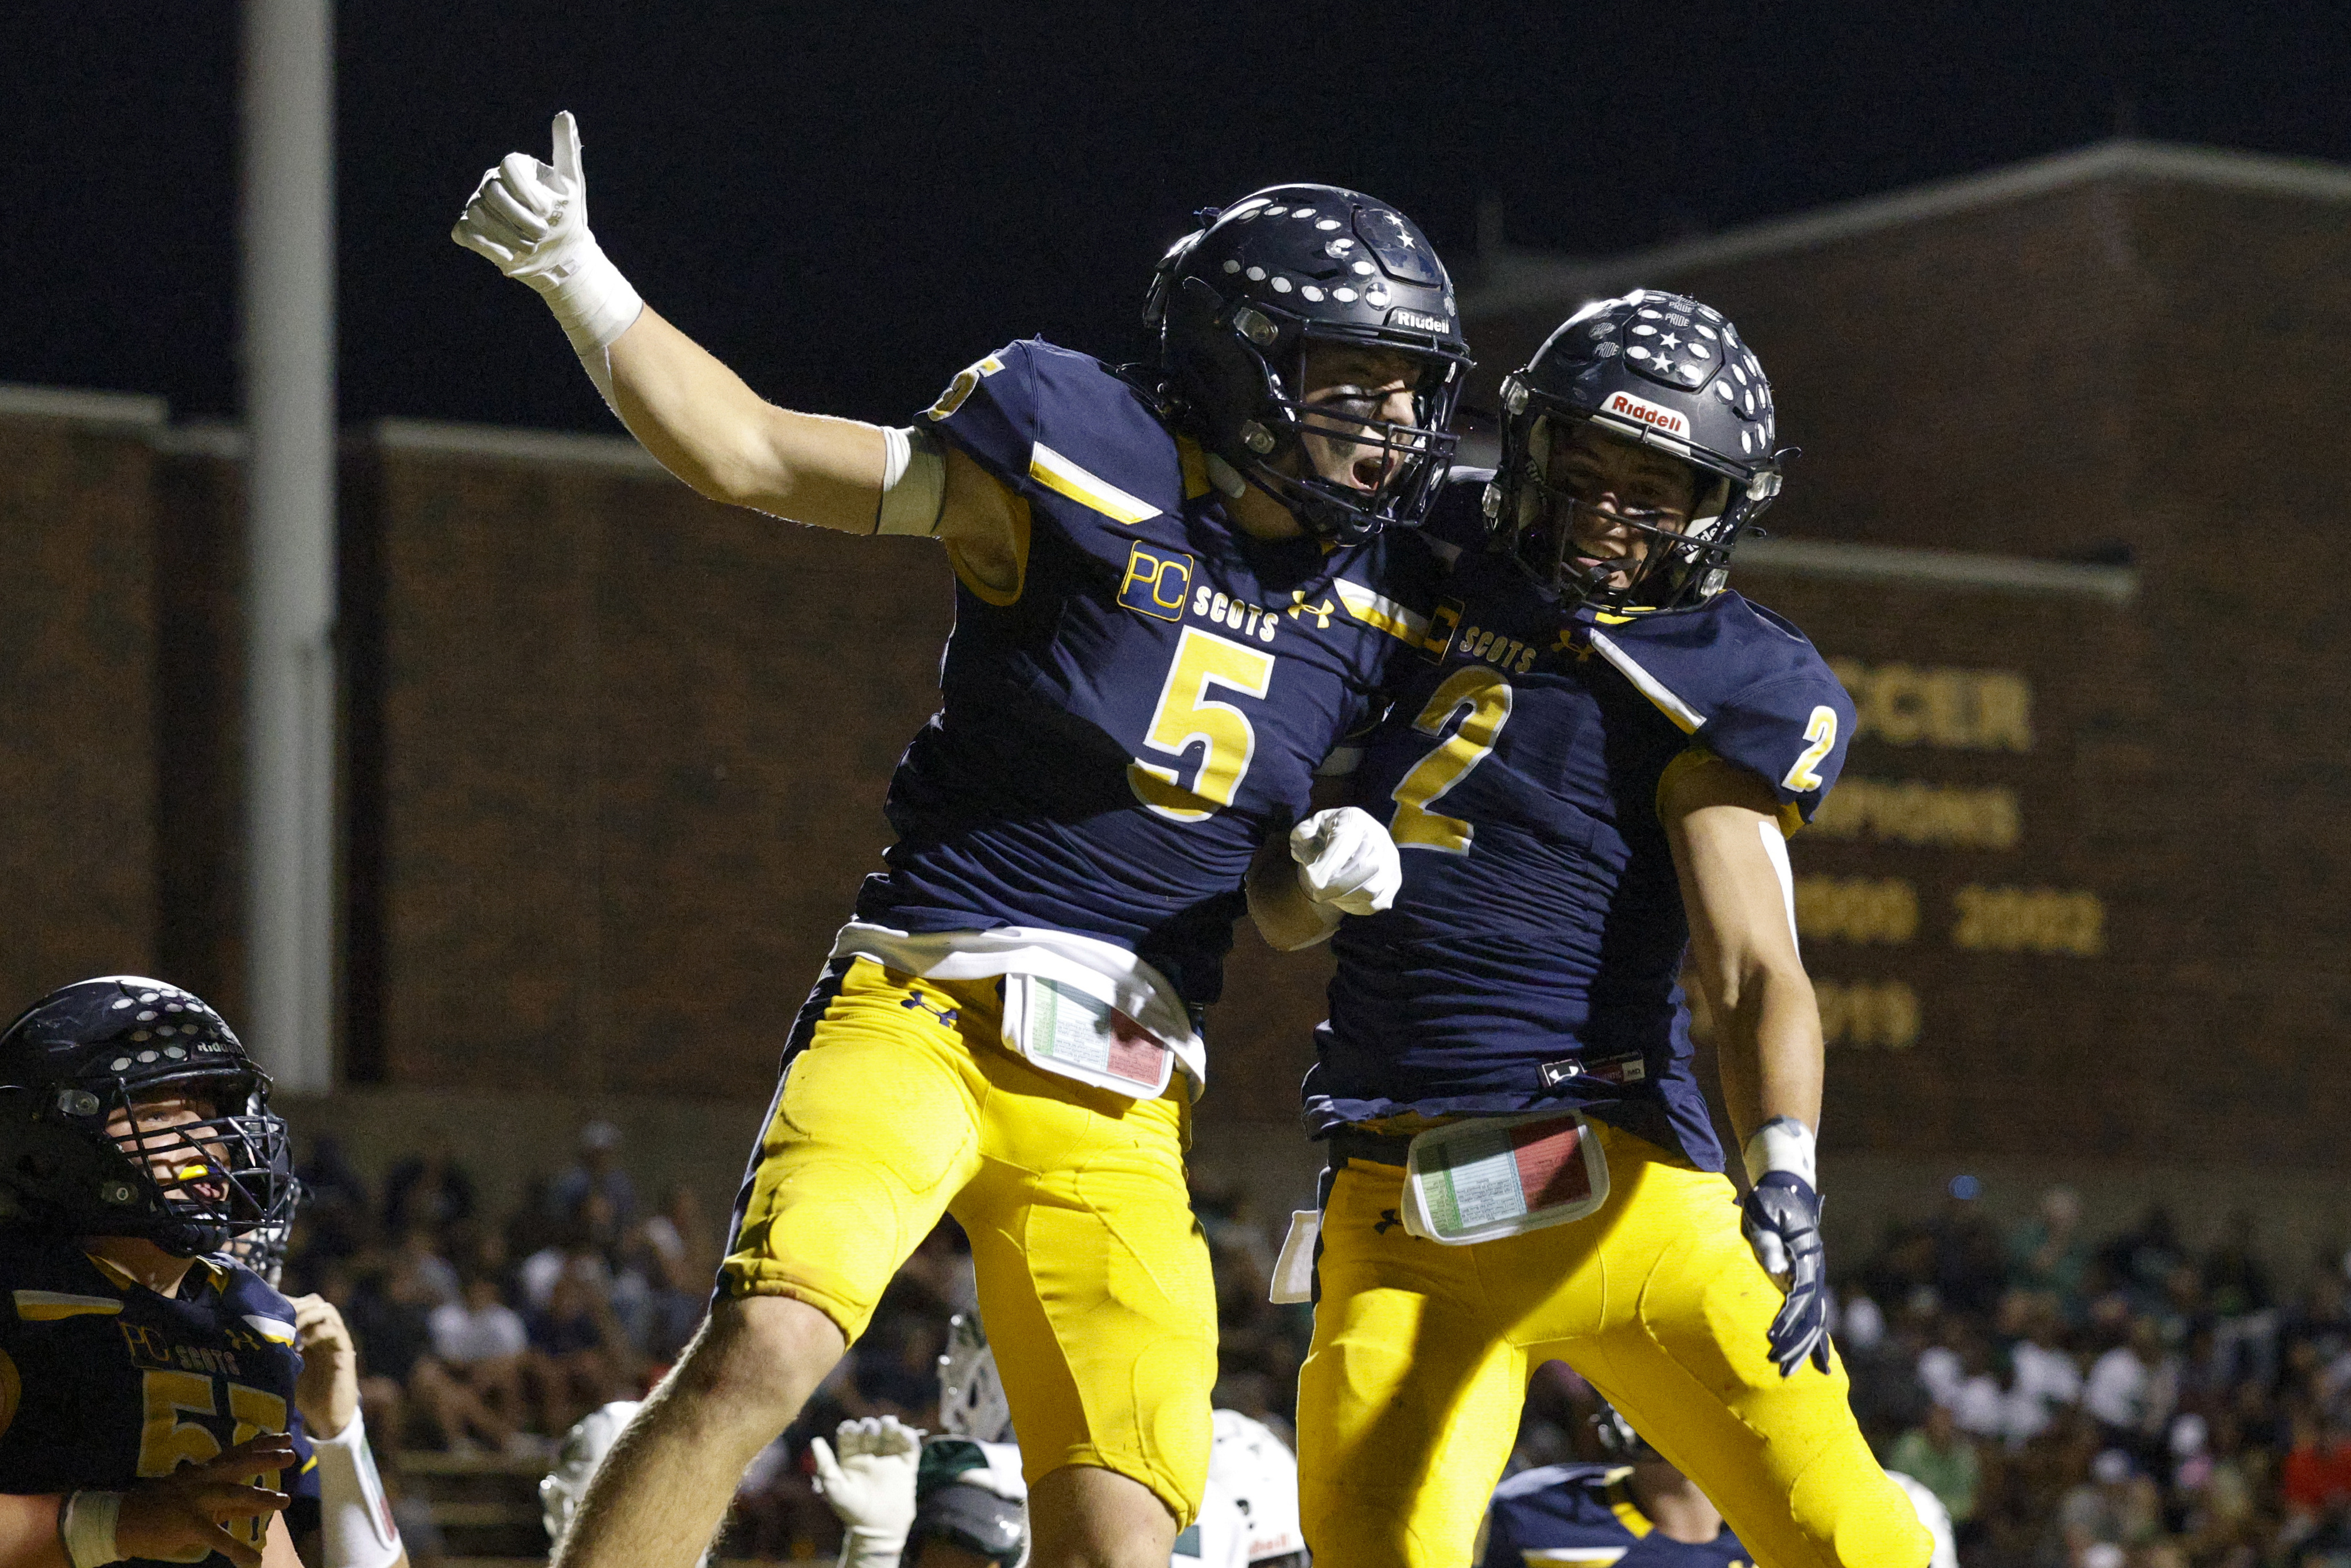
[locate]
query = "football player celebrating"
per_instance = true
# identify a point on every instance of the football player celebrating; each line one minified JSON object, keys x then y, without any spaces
{"x":144,"y":1385}
{"x":1172,"y":598}
{"x":1594,"y":774}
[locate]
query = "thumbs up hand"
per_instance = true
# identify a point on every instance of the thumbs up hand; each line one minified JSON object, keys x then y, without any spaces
{"x":531,"y":219}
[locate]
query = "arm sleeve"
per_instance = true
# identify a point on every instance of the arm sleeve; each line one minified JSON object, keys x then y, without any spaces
{"x":990,"y":411}
{"x":1792,"y":731}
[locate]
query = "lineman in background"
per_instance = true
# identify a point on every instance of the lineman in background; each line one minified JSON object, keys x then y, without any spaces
{"x":1636,"y":1510}
{"x":135,"y":1140}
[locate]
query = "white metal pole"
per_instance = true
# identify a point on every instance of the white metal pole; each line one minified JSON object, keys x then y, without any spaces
{"x":289,"y":398}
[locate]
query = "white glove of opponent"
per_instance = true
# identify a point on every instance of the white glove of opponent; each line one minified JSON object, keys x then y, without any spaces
{"x":870,"y":1487}
{"x":531,"y":219}
{"x":1346,"y":863}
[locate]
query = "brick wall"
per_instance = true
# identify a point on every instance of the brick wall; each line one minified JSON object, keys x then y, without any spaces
{"x":633,"y":750}
{"x":77,"y":760}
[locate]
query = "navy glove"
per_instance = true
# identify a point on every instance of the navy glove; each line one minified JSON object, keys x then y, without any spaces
{"x":1782,"y":1219}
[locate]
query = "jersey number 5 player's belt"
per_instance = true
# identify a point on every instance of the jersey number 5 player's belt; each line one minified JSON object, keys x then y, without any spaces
{"x":1477,"y":1181}
{"x":1066,"y":1032}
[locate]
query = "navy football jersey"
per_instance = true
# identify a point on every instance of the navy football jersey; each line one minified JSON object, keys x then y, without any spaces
{"x":1122,"y":726}
{"x":304,"y":1512}
{"x":1533,"y":954}
{"x":1585,"y":1513}
{"x":104,"y":1382}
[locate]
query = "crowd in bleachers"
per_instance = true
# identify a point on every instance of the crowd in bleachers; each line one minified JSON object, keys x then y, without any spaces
{"x":2121,"y":1401}
{"x":2125,"y":1401}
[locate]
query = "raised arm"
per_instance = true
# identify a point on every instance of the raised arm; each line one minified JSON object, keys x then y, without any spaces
{"x":1723,"y":821}
{"x":691,"y":411}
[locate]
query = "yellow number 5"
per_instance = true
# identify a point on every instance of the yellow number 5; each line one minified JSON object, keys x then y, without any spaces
{"x":1486,"y":697}
{"x":1188,"y":716}
{"x":1821,"y":730}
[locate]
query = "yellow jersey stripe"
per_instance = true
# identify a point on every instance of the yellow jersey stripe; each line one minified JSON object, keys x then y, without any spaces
{"x":276,"y":1331}
{"x":1648,"y":686}
{"x":1628,"y":1514}
{"x":1381,"y":612}
{"x":1055,"y":471}
{"x":49,"y":1306}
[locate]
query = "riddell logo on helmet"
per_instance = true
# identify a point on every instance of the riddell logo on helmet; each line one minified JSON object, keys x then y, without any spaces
{"x":1623,"y":405}
{"x":1418,"y":321}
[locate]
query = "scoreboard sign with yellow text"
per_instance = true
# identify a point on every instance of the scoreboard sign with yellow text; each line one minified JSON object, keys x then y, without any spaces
{"x":1964,"y":899}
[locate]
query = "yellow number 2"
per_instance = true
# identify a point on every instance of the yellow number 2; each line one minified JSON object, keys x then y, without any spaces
{"x":1821,"y":730}
{"x":1188,"y":716}
{"x":1486,"y":697}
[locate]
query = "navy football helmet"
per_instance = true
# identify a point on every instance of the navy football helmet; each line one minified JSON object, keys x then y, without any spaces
{"x":1237,"y":304}
{"x":86,"y":1055}
{"x":1618,"y":1438}
{"x":1664,"y":371}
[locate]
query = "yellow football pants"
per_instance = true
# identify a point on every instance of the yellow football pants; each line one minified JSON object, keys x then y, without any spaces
{"x":1408,"y":1403}
{"x":1093,"y":1276}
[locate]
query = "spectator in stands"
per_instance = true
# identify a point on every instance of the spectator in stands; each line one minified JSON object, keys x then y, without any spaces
{"x":2316,"y":1475}
{"x":680,"y":1234}
{"x":2132,"y":1389}
{"x":2046,"y":1378}
{"x":596,"y":1188}
{"x":1960,"y":1379}
{"x":430,"y":1191}
{"x":2116,"y":1508}
{"x":335,"y":1213}
{"x":420,"y":1257}
{"x":1942,"y":1458}
{"x":2047,"y":1253}
{"x":390,"y":1312}
{"x":472,"y":1384}
{"x":2142,"y":1260}
{"x":585,"y":1359}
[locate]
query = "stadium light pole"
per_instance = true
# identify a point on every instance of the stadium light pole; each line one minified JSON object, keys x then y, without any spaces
{"x":288,"y":337}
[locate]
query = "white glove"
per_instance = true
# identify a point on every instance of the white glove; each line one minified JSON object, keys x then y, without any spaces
{"x":531,"y":219}
{"x":870,"y":1487}
{"x":1346,"y":862}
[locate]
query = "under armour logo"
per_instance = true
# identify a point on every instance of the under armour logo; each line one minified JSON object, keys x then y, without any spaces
{"x":916,"y":999}
{"x":1388,"y":1220}
{"x":1322,"y":612}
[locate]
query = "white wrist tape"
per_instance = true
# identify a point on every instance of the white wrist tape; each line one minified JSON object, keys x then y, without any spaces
{"x":595,"y":304}
{"x":87,"y":1528}
{"x":1782,"y":1144}
{"x":914,"y":482}
{"x":589,"y":295}
{"x":863,"y":1548}
{"x":355,"y":1525}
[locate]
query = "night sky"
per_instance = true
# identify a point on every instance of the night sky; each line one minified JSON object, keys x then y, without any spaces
{"x":850,"y":202}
